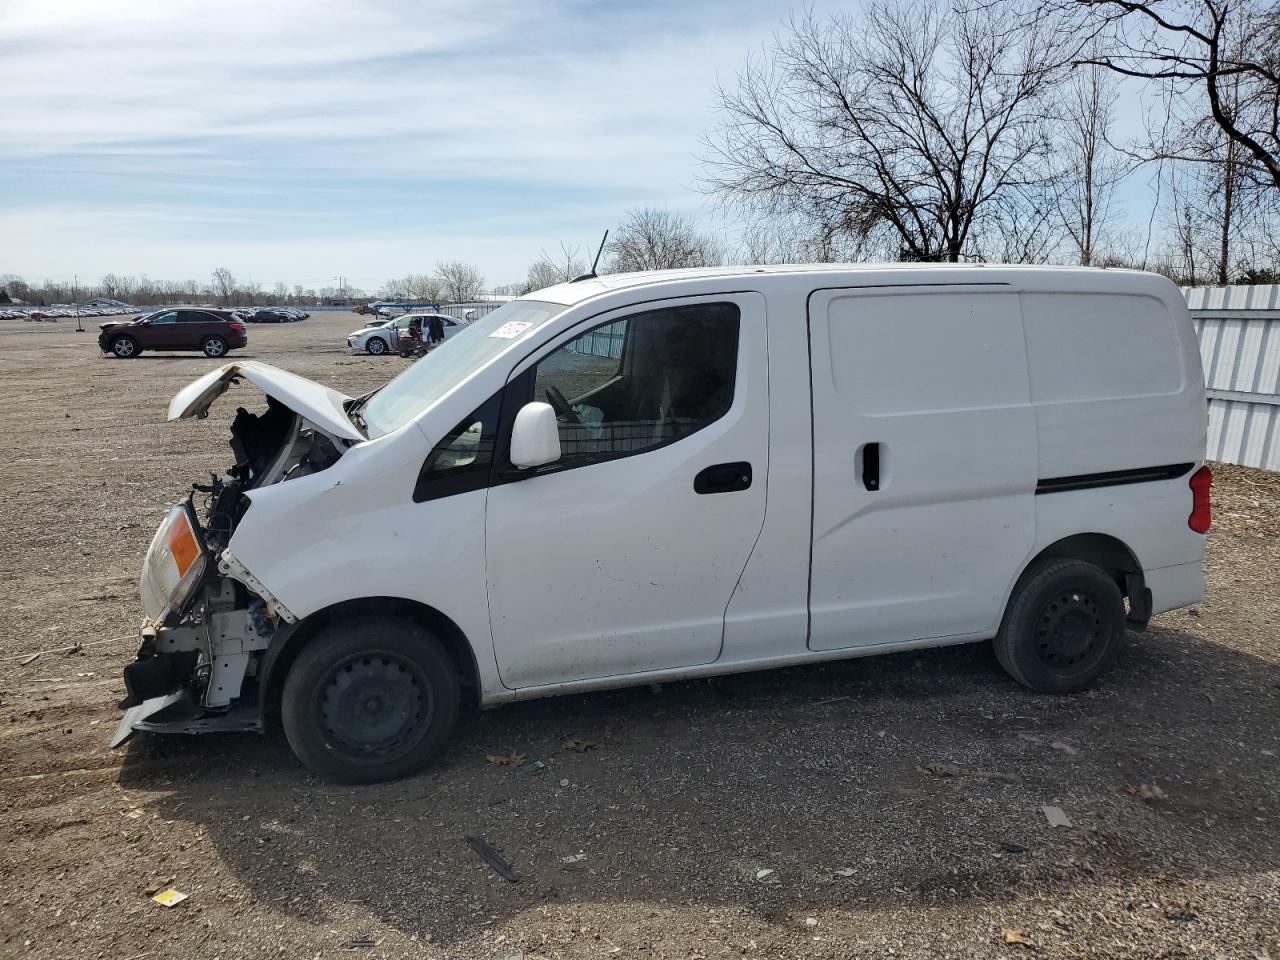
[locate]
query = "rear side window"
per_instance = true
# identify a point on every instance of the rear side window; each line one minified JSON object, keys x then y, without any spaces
{"x":1099,"y":347}
{"x":640,"y":382}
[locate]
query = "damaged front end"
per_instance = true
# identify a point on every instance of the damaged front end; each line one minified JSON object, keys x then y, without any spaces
{"x":208,"y":620}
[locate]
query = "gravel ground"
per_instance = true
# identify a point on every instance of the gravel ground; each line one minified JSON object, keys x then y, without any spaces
{"x":782,"y":814}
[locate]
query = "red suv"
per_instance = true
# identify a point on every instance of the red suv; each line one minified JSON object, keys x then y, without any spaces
{"x":213,"y":332}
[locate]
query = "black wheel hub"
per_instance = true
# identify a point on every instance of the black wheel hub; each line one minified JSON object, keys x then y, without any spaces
{"x":1069,"y":630}
{"x":375,"y":707}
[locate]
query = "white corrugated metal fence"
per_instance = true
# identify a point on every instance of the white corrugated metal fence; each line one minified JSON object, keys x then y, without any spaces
{"x":1239,"y":331}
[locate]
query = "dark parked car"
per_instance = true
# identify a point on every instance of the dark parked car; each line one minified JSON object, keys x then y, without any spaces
{"x":213,"y":332}
{"x":271,"y":315}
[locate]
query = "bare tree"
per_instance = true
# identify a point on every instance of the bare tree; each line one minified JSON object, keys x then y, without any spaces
{"x":547,"y":271}
{"x":1220,"y":57}
{"x":1220,"y":225}
{"x":423,"y":287}
{"x":654,"y":239}
{"x":394,"y":289}
{"x":224,"y":284}
{"x":908,"y":130}
{"x":459,"y":282}
{"x":1088,"y":167}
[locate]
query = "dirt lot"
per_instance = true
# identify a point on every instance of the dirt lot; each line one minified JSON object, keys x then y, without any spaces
{"x":659,"y":843}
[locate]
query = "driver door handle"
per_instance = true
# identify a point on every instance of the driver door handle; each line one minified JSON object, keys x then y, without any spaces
{"x":723,"y":478}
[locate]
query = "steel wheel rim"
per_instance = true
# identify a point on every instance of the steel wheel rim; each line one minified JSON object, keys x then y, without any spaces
{"x":1070,"y":632}
{"x":374,"y":707}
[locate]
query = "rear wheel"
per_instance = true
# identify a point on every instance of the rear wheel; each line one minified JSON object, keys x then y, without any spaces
{"x":370,"y":699}
{"x":214,"y":347}
{"x":1064,"y":627}
{"x":125,"y":347}
{"x":376,"y":346}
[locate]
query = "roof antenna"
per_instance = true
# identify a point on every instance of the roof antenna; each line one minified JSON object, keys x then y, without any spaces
{"x":594,"y":263}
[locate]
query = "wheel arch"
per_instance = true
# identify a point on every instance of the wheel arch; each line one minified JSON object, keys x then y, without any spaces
{"x":1106,"y":552}
{"x":294,"y":638}
{"x":1100,"y":549}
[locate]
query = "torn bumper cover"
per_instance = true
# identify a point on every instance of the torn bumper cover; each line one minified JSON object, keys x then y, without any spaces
{"x":200,"y":640}
{"x":178,"y":713}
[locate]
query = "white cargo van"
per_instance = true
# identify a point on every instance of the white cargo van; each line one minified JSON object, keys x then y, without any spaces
{"x":649,"y":477}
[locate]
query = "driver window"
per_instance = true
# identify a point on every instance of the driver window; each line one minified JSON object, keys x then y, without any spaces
{"x":641,"y":382}
{"x":169,"y":317}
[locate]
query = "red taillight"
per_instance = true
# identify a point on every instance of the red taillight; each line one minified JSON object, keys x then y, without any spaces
{"x":237,"y":326}
{"x":1201,"y":510}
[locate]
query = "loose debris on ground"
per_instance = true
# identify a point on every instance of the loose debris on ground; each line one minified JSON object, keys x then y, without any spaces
{"x":722,"y":817}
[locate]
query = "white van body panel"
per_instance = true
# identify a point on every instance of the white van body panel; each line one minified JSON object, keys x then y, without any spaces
{"x":894,"y":572}
{"x":620,"y":567}
{"x":936,"y":379}
{"x":769,"y":614}
{"x":352,"y":532}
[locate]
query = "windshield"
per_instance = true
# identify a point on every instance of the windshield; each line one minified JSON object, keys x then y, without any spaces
{"x":450,"y":362}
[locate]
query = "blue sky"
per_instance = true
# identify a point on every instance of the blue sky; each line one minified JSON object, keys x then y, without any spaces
{"x":296,"y":140}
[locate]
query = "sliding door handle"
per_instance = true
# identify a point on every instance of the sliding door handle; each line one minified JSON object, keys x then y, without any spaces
{"x":723,"y":478}
{"x":871,"y":466}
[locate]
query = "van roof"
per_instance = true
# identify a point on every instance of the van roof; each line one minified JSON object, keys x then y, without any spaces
{"x":1022,"y":275}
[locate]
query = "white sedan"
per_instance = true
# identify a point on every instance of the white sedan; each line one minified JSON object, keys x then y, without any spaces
{"x":375,"y":338}
{"x":380,"y":336}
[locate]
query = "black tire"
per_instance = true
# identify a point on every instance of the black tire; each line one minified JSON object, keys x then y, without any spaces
{"x":125,"y":347}
{"x":370,"y":699}
{"x":376,"y":346}
{"x":214,"y":347}
{"x":1064,"y":627}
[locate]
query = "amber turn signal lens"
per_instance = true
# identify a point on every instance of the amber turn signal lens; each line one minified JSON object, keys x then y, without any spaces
{"x":181,"y":541}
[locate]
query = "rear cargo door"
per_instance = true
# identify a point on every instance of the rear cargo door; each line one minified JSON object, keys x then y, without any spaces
{"x":924,"y":462}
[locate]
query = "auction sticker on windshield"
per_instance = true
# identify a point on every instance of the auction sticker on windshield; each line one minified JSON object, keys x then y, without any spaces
{"x":511,"y":329}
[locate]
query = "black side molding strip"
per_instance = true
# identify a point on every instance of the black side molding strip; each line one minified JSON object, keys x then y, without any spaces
{"x":1113,"y":478}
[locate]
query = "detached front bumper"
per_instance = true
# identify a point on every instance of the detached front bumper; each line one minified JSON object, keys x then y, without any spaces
{"x":179,"y":713}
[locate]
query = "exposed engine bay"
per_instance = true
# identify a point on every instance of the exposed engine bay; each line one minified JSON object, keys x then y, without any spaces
{"x":269,"y":448}
{"x":209,"y":622}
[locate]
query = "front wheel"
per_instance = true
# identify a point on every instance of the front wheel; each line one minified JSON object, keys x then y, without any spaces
{"x":376,"y":346}
{"x":1064,"y":627}
{"x":214,"y":347}
{"x":370,"y":699}
{"x":125,"y":347}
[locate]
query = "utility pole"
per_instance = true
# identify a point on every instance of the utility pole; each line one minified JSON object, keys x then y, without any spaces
{"x":76,"y":286}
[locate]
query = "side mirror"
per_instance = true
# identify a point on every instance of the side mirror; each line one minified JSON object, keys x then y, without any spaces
{"x":535,"y":436}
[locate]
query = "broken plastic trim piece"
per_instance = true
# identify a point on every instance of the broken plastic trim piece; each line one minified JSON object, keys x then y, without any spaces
{"x":229,"y":565}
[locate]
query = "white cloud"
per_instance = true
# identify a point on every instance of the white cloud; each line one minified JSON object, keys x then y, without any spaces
{"x":517,"y":93}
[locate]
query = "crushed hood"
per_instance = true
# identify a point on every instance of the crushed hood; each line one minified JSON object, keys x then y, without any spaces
{"x":310,"y":400}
